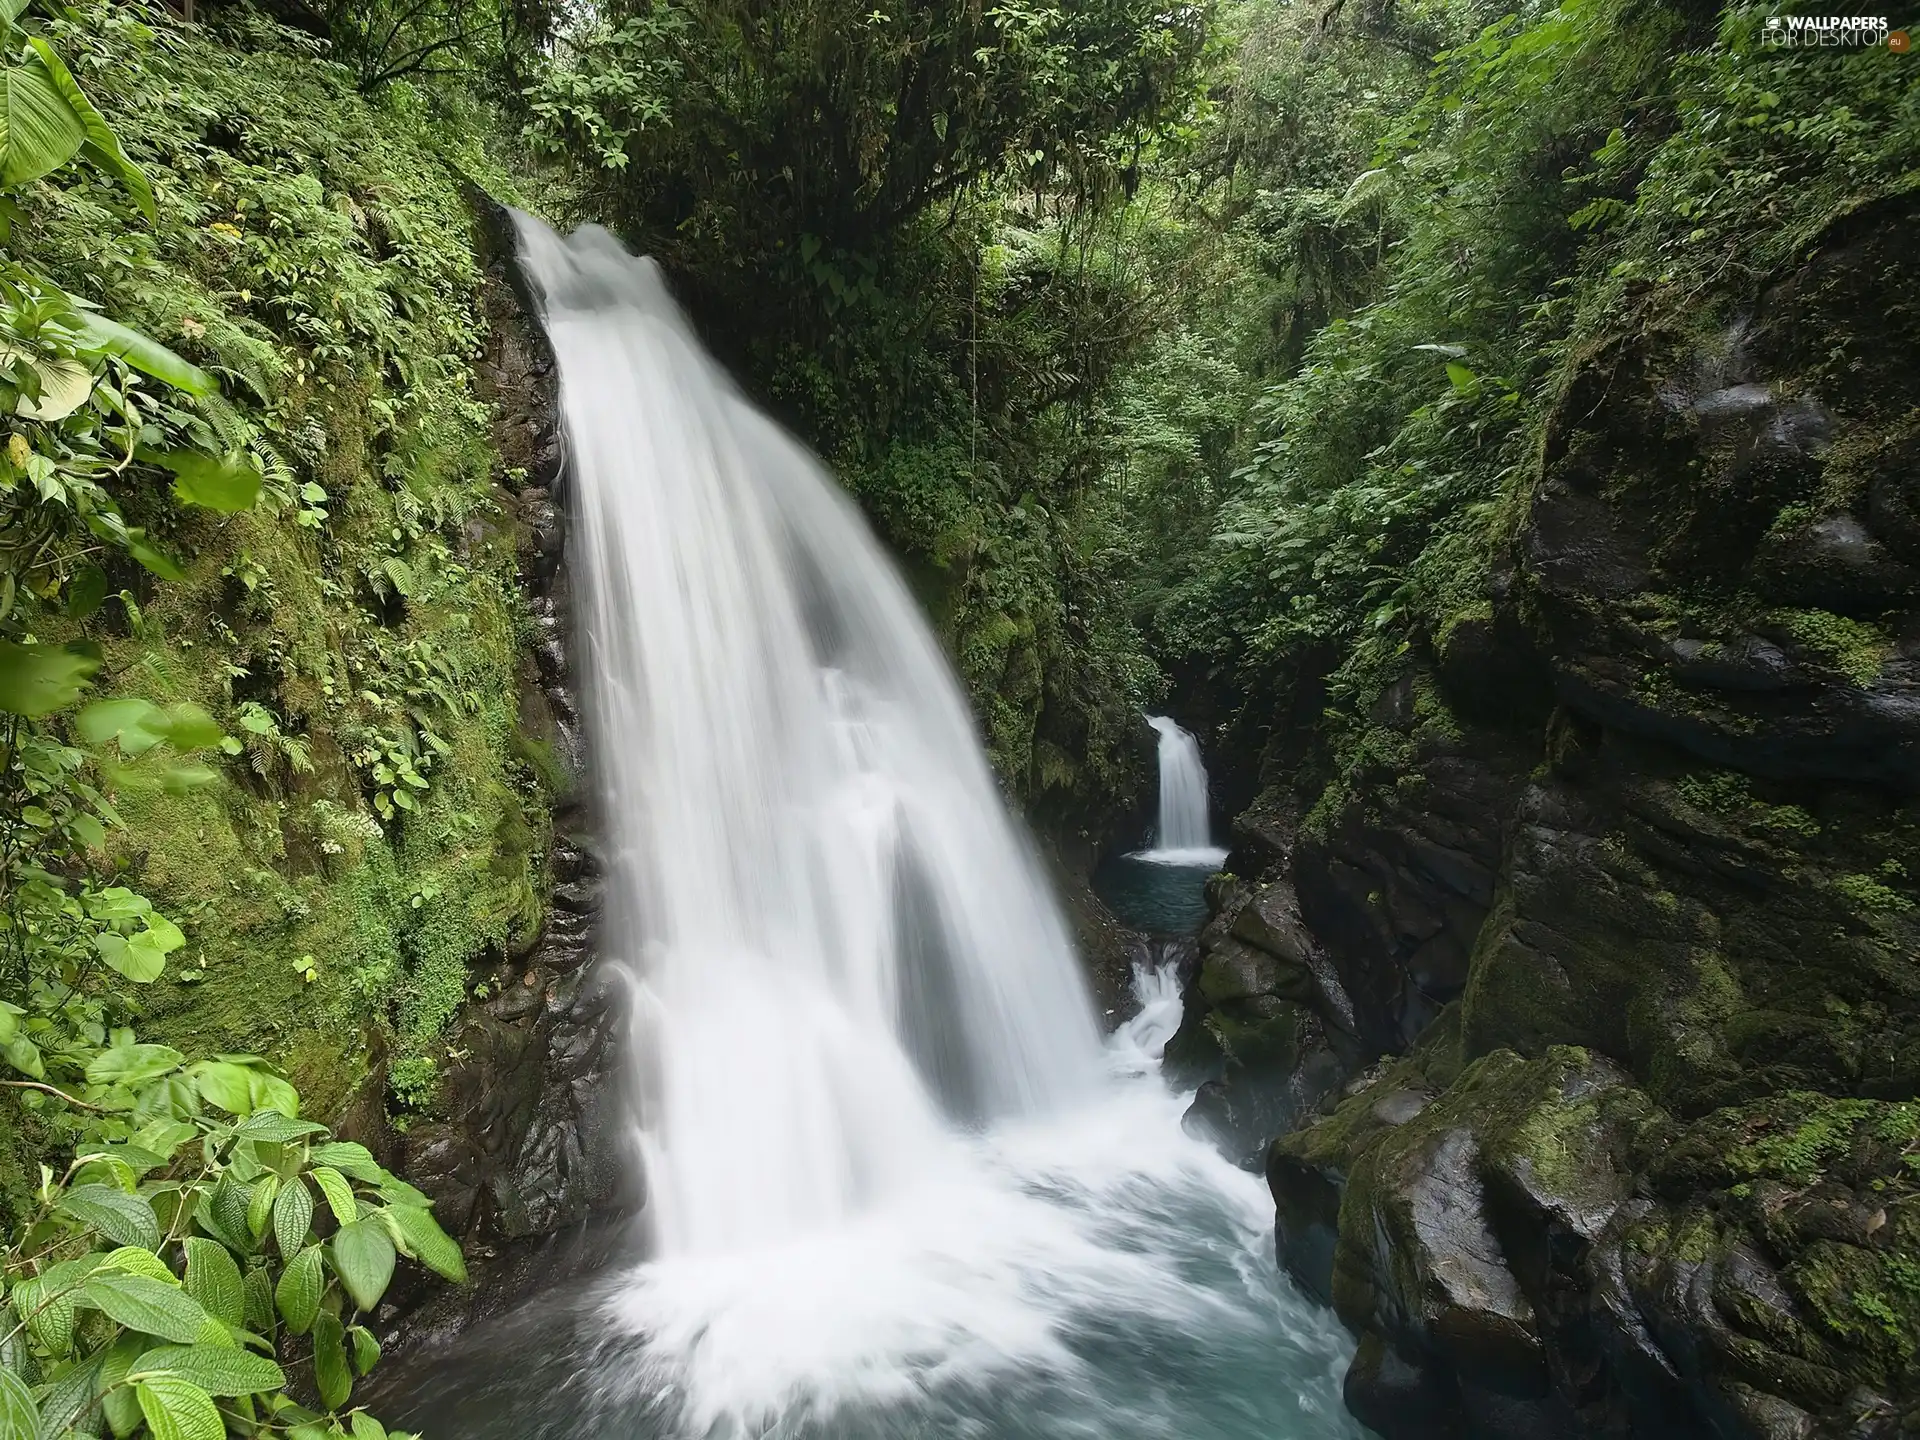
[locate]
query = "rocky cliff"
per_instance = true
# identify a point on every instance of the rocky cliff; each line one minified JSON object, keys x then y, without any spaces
{"x":1583,"y":1002}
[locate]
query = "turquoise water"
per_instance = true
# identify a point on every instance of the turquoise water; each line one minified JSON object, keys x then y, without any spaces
{"x":1154,"y":895}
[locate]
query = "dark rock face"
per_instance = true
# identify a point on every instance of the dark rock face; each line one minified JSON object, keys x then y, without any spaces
{"x":1267,"y":1033}
{"x":1584,"y":1001}
{"x":1073,"y":833}
{"x":533,"y":1142}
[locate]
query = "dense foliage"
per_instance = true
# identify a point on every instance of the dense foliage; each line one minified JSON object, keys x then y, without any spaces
{"x":1562,"y":175}
{"x":157,"y":519}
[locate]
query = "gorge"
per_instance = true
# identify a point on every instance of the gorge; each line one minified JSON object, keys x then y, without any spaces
{"x":985,"y":1219}
{"x":600,"y":845}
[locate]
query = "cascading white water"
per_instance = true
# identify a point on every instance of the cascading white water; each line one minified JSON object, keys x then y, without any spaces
{"x":1182,"y":836}
{"x":800,"y":822}
{"x":895,"y":1185}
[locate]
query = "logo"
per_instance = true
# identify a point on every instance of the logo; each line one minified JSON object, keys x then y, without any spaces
{"x":1794,"y":32}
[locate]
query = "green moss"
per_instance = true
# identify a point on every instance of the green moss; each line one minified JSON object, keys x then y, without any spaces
{"x":1317,"y":823}
{"x":1479,"y":611}
{"x":1697,"y":1240}
{"x":1724,"y":792}
{"x":1847,"y":1289}
{"x":1791,"y":518}
{"x":414,"y":1080}
{"x":1852,"y":647}
{"x":1823,"y":1128}
{"x":1869,"y":893}
{"x":1436,"y":720}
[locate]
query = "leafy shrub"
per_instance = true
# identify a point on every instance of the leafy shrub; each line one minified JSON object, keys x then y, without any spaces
{"x":200,"y":1228}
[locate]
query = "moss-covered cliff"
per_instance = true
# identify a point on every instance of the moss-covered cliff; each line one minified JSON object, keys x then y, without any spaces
{"x":1585,"y":922}
{"x":381,"y":823}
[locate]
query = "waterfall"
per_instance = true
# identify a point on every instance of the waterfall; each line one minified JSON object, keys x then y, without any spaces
{"x":895,"y":1183}
{"x":801,"y":826}
{"x":1182,"y":836}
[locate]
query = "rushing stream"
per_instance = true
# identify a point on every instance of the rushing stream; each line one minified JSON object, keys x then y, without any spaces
{"x":897,"y":1184}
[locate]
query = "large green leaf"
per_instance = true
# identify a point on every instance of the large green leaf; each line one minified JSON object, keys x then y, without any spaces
{"x":331,"y":1377}
{"x":101,"y":145}
{"x":216,"y":1369}
{"x":138,"y":957}
{"x":19,"y":1416}
{"x":146,"y":1305}
{"x":145,"y":354}
{"x":47,"y":1309}
{"x":177,"y":1409}
{"x":259,"y":1291}
{"x":124,"y":721}
{"x":223,"y":1213}
{"x":25,"y":1057}
{"x":260,"y":1207}
{"x":64,"y":385}
{"x":275,"y":1128}
{"x":69,"y":1397}
{"x":350,"y":1158}
{"x":122,"y":1409}
{"x":39,"y":679}
{"x":115,"y":902}
{"x":227,"y":1085}
{"x":270,"y":1092}
{"x":363,"y":1259}
{"x":39,"y":130}
{"x":228,"y":484}
{"x":428,"y":1243}
{"x":86,"y":591}
{"x":186,"y":727}
{"x":339,"y":1194}
{"x":125,"y":1219}
{"x":155,"y":562}
{"x":298,"y":1293}
{"x":214,"y":1280}
{"x":120,"y":1405}
{"x":138,"y":1260}
{"x":132,"y":1064}
{"x":366,"y":1349}
{"x":138,"y":725}
{"x":292,"y":1216}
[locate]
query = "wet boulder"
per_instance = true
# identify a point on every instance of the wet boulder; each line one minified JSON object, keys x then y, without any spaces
{"x":1832,"y":563}
{"x":1266,"y":1034}
{"x":1452,"y":1228}
{"x":1440,"y":1283}
{"x":1404,"y":1398}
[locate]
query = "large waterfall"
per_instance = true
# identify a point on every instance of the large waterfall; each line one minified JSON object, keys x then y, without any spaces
{"x":800,"y":822}
{"x":896,"y":1186}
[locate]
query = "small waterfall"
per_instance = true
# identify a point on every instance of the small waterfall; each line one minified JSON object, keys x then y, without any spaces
{"x":1182,"y":836}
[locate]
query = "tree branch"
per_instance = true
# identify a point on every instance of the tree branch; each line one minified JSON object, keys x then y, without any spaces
{"x":414,"y":62}
{"x":70,"y":1099}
